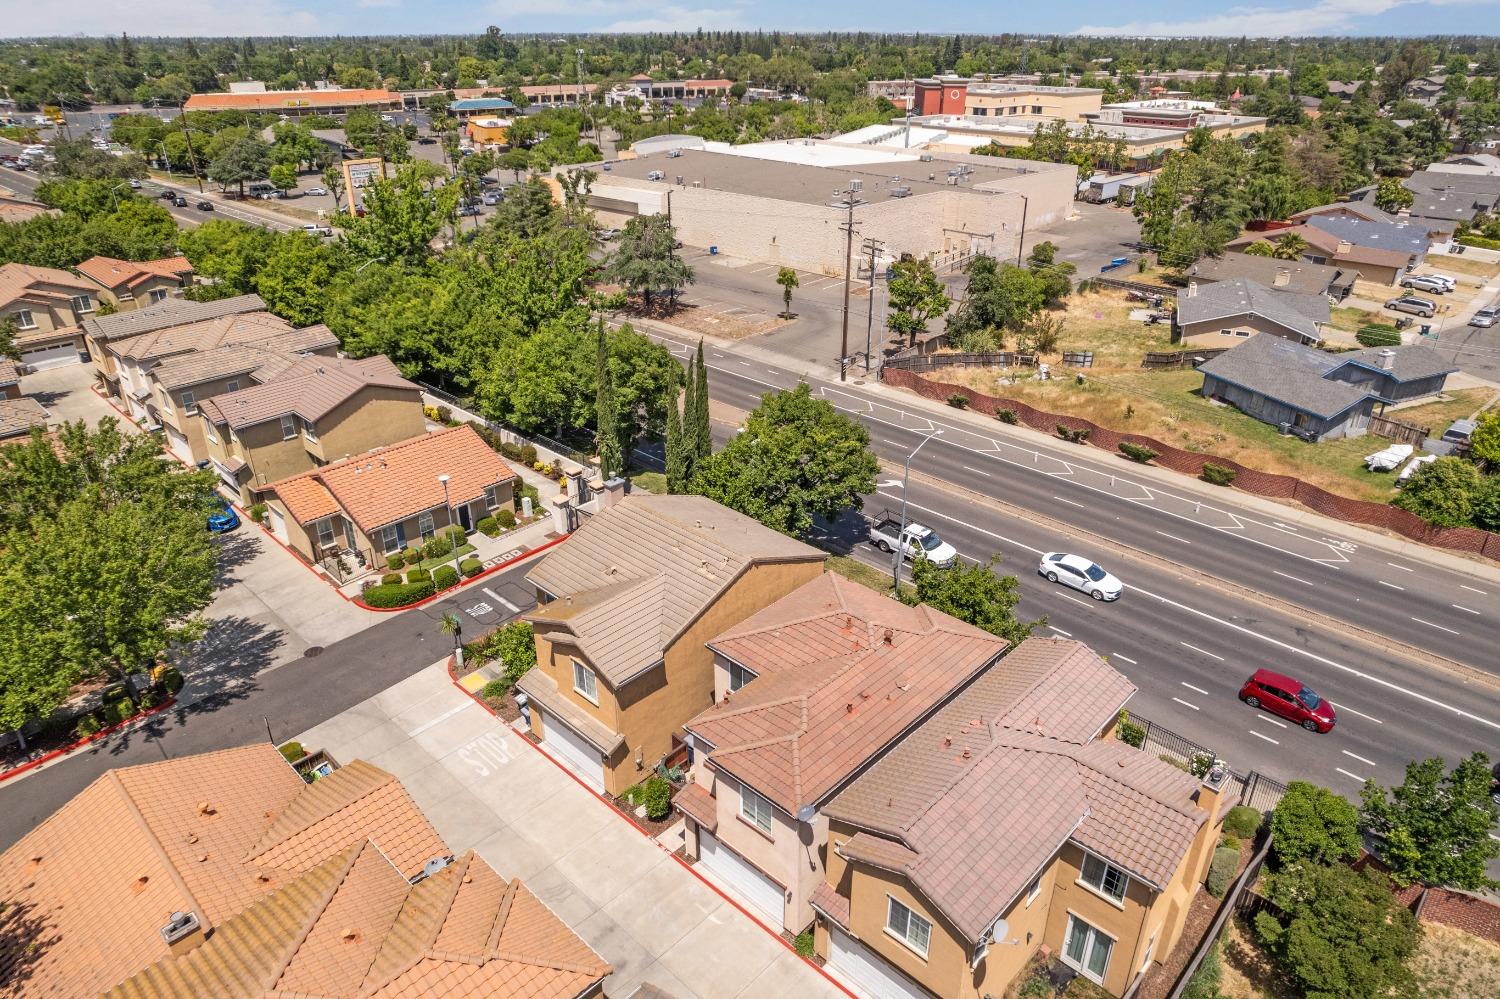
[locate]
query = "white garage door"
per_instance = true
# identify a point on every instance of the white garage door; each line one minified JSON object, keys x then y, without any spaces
{"x":278,"y":524}
{"x":179,"y":445}
{"x":743,"y":880}
{"x":573,"y":752}
{"x":50,"y":357}
{"x":865,"y":972}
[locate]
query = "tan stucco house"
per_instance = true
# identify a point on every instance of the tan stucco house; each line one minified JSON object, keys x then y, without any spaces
{"x":47,"y":307}
{"x":627,"y":606}
{"x":807,"y":693}
{"x":315,"y":412}
{"x":1008,"y":821}
{"x":100,"y":331}
{"x":137,"y":284}
{"x":378,"y":503}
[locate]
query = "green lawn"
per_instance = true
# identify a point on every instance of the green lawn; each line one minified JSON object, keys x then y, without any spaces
{"x":650,"y":482}
{"x":458,"y":553}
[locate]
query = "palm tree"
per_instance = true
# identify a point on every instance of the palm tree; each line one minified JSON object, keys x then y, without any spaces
{"x":1289,"y":247}
{"x":787,"y":278}
{"x":453,"y":625}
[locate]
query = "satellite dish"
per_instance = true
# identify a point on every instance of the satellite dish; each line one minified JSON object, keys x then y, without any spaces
{"x":806,"y":813}
{"x":1000,"y":930}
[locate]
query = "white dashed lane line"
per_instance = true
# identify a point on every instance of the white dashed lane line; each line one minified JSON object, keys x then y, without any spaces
{"x":1200,"y":690}
{"x":1065,"y":634}
{"x":1403,"y":568}
{"x":1185,"y":703}
{"x":1273,"y":721}
{"x":1471,"y":589}
{"x":1357,"y":757}
{"x":1174,"y":537}
{"x":1125,"y":659}
{"x":1346,"y":773}
{"x":1466,"y":610}
{"x":1070,"y":502}
{"x":1437,"y":626}
{"x":1292,"y":578}
{"x":1265,"y":737}
{"x":1391,"y":585}
{"x":1201,"y":651}
{"x":1343,"y":707}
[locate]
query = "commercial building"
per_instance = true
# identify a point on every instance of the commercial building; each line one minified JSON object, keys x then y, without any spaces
{"x":480,"y":107}
{"x":960,"y":96}
{"x":295,"y":103}
{"x":488,"y":133}
{"x":643,"y":88}
{"x":783,"y":202}
{"x":552,"y":94}
{"x":1160,"y":112}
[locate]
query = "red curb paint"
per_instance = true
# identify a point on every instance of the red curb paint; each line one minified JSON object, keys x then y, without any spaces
{"x":775,"y":933}
{"x":102,"y":733}
{"x":461,"y":583}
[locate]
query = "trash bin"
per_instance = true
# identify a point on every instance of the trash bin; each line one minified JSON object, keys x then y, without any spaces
{"x":713,"y":251}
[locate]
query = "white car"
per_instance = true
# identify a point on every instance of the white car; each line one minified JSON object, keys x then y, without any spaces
{"x":1486,"y":317}
{"x":313,"y":229}
{"x":1081,"y":574}
{"x":317,"y":191}
{"x":1447,"y":280}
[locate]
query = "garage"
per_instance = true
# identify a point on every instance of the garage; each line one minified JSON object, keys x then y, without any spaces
{"x":573,"y":751}
{"x":744,"y":881}
{"x":54,"y":356}
{"x":277,"y":522}
{"x":177,"y":443}
{"x":866,"y":971}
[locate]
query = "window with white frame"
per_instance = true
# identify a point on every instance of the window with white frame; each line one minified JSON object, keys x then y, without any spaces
{"x":755,"y":809}
{"x":424,"y":526}
{"x":325,"y":533}
{"x":739,"y":676}
{"x":1033,"y":890}
{"x":906,"y":926}
{"x":24,"y":320}
{"x":232,"y":385}
{"x":585,"y":682}
{"x":188,"y":405}
{"x":1104,"y":877}
{"x":391,"y":538}
{"x":208,"y":431}
{"x":491,"y":497}
{"x":310,"y":430}
{"x":288,"y":427}
{"x":156,"y":295}
{"x":1087,"y":949}
{"x":83,"y":303}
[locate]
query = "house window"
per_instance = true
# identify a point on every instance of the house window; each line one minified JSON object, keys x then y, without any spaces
{"x":1036,"y":109}
{"x":24,"y":320}
{"x":156,"y":295}
{"x":739,"y":676}
{"x":1104,"y":877}
{"x":424,"y":526}
{"x":208,"y":431}
{"x":310,"y":430}
{"x":906,"y":926}
{"x":1087,"y":949}
{"x":392,"y":538}
{"x":1033,"y":889}
{"x":585,"y":682}
{"x":325,"y":534}
{"x":288,"y":427}
{"x":83,"y":303}
{"x":1226,"y":332}
{"x":1242,"y":333}
{"x":231,"y":386}
{"x":491,"y":497}
{"x":188,"y":406}
{"x":755,"y":810}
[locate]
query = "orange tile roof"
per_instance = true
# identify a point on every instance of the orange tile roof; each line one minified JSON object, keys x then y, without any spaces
{"x":95,"y":881}
{"x":23,"y":280}
{"x":112,"y":273}
{"x":10,"y":372}
{"x":279,"y":100}
{"x":392,"y":483}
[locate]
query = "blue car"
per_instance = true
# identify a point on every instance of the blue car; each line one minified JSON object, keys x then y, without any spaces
{"x":223,"y":520}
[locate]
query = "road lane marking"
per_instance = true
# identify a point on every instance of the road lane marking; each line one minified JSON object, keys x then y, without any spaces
{"x":1390,"y":685}
{"x":1348,"y":774}
{"x":1200,"y":690}
{"x":976,"y":471}
{"x":1463,"y":608}
{"x":1358,"y":757}
{"x":491,"y":593}
{"x":1272,"y":741}
{"x":1403,"y":568}
{"x":1437,"y":626}
{"x":1066,"y":597}
{"x":1065,"y":634}
{"x":1185,"y":703}
{"x":1292,"y":578}
{"x":1345,"y":707}
{"x":1070,"y":502}
{"x":439,"y":719}
{"x":1174,"y":537}
{"x":1471,"y":589}
{"x":1126,"y":658}
{"x":1391,"y":585}
{"x":1204,"y":651}
{"x":1273,"y":721}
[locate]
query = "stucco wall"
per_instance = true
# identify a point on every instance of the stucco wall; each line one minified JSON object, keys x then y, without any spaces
{"x":1210,"y":332}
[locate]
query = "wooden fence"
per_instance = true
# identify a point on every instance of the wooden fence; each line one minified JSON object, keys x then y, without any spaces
{"x":1403,"y":433}
{"x":1227,"y":908}
{"x":1180,"y":358}
{"x":1141,"y":286}
{"x":1251,"y":480}
{"x":931,"y":362}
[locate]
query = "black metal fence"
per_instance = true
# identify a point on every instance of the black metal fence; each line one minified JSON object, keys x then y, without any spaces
{"x":1251,"y":787}
{"x":931,"y":362}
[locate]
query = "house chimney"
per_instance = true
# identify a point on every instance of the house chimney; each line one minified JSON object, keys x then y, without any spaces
{"x":1344,"y":246}
{"x":182,"y":933}
{"x":1282,"y":279}
{"x":1387,"y":359}
{"x":889,"y":635}
{"x":1192,"y":291}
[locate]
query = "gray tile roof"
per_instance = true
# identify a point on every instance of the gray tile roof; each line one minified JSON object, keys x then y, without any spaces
{"x":1241,"y":296}
{"x":169,"y":312}
{"x":18,"y":416}
{"x":1287,"y":372}
{"x":637,"y":574}
{"x":1302,"y":277}
{"x":1362,"y":209}
{"x":1408,"y":364}
{"x":1409,"y":237}
{"x":263,"y":359}
{"x":311,"y":389}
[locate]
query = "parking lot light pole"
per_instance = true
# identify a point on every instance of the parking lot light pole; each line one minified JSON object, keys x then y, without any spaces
{"x":901,"y":533}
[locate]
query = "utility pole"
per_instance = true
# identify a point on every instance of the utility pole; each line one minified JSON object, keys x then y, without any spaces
{"x":871,"y":246}
{"x":583,"y":98}
{"x":187,"y":135}
{"x":669,"y":206}
{"x":848,"y":227}
{"x":1025,"y":204}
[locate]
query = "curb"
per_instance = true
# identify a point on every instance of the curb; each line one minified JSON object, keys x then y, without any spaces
{"x":774,"y":933}
{"x":72,"y":747}
{"x":461,"y":584}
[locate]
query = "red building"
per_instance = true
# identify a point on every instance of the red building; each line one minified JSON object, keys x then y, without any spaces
{"x":941,"y":96}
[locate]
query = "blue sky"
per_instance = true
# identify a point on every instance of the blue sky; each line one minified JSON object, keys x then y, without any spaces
{"x":1161,"y":17}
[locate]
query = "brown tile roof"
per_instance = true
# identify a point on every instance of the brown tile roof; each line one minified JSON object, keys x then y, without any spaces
{"x":13,"y":209}
{"x":18,"y":281}
{"x":841,"y":673}
{"x":280,"y":100}
{"x":98,"y":878}
{"x":18,"y":416}
{"x":311,"y":389}
{"x":113,"y":273}
{"x":978,"y":799}
{"x":696,"y":803}
{"x":542,"y":689}
{"x":10,"y":372}
{"x":392,"y":483}
{"x":826,"y":899}
{"x":249,"y":327}
{"x":263,"y":360}
{"x":168,"y":312}
{"x":657,"y":563}
{"x":1327,"y":243}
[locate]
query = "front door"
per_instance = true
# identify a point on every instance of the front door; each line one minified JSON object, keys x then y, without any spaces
{"x":465,"y":519}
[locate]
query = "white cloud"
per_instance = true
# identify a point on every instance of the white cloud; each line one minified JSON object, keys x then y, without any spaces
{"x":1323,"y":17}
{"x":673,"y":18}
{"x":180,"y":18}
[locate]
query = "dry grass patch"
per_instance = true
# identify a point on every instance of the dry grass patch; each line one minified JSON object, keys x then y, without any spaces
{"x":1100,"y":321}
{"x":1462,"y":265}
{"x":1248,"y":971}
{"x":1351,"y":319}
{"x":1452,"y":964}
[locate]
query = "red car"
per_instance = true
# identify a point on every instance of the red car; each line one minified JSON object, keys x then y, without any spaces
{"x":1291,"y":699}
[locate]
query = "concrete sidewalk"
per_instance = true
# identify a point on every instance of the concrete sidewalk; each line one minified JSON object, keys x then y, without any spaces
{"x":484,"y":787}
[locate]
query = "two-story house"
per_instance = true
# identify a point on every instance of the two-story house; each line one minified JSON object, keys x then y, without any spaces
{"x":178,"y":384}
{"x":627,"y":606}
{"x":137,"y":284}
{"x":808,"y":692}
{"x":99,"y":331}
{"x":47,"y":308}
{"x":1009,"y":821}
{"x":315,"y":412}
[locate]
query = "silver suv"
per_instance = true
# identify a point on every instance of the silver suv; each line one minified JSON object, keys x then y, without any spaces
{"x":1424,"y":307}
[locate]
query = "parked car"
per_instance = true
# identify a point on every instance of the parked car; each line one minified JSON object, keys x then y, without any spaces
{"x":223,"y":520}
{"x":426,"y":140}
{"x":493,"y":197}
{"x":1291,"y":699}
{"x":1486,"y":317}
{"x":1420,"y":282}
{"x":605,"y":235}
{"x":1448,"y":280}
{"x":317,"y":191}
{"x":467,"y":210}
{"x":205,"y":205}
{"x":1424,"y":307}
{"x":915,"y":540}
{"x":135,"y":185}
{"x":1081,"y":574}
{"x":313,"y":229}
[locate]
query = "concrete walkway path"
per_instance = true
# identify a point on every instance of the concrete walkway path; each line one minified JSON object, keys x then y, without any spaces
{"x":484,"y":787}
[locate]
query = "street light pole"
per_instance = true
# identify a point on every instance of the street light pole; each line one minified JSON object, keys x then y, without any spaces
{"x":900,"y":534}
{"x":448,"y":505}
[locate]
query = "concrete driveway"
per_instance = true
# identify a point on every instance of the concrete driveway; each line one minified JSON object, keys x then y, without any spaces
{"x":486,"y":788}
{"x":66,"y":394}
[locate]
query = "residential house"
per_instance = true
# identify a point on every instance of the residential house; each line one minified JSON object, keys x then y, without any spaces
{"x":1222,"y":313}
{"x":1445,"y":194}
{"x":15,"y":208}
{"x":1344,"y":209}
{"x":379,"y":502}
{"x":179,"y":383}
{"x":807,"y":693}
{"x":47,"y":307}
{"x":18,"y":416}
{"x":627,"y":606}
{"x":312,"y":413}
{"x":136,"y":284}
{"x":1319,"y":395}
{"x":1409,"y":238}
{"x":1377,"y":265}
{"x":226,"y":875}
{"x":1007,"y":822}
{"x":10,"y":379}
{"x":98,"y":331}
{"x":1299,"y":276}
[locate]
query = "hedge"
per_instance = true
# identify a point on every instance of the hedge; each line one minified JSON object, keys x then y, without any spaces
{"x":395,"y":561}
{"x":391,"y":577}
{"x":397,"y":595}
{"x":292,"y":751}
{"x":1242,"y":821}
{"x":1007,"y":416}
{"x":1225,"y":865}
{"x":419,"y":576}
{"x":1137,"y":452}
{"x":438,"y":548}
{"x":506,"y":518}
{"x":1218,"y":474}
{"x":528,"y":455}
{"x":471,"y":567}
{"x":444,"y":576}
{"x":1482,"y":242}
{"x":488,"y":526}
{"x":1378,"y":335}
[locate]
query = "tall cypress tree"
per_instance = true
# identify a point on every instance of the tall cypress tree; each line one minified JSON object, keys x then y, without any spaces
{"x":687,"y":437}
{"x":606,"y":436}
{"x":697,"y":417}
{"x":676,"y":454}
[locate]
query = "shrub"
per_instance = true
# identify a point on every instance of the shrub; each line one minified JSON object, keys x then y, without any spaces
{"x":1222,"y":870}
{"x":438,"y":548}
{"x":1206,"y":980}
{"x":87,"y":725}
{"x":1007,"y":416}
{"x":658,"y":797}
{"x":1129,"y":732}
{"x":471,"y":567}
{"x":495,"y":690}
{"x":958,"y":401}
{"x":169,"y":678}
{"x":803,"y":944}
{"x":292,"y":751}
{"x":258,"y":512}
{"x":455,"y":535}
{"x":444,"y":414}
{"x":419,"y":576}
{"x":1231,"y":841}
{"x":430,"y":412}
{"x":1078,"y":436}
{"x":414,"y":555}
{"x":527,"y":489}
{"x":444,"y":576}
{"x":1036,"y":987}
{"x":1217,"y":474}
{"x":1312,"y":823}
{"x":395,"y":560}
{"x":515,"y":644}
{"x":117,"y":711}
{"x":391,"y":577}
{"x":1137,"y":452}
{"x":528,"y":455}
{"x":398,"y":595}
{"x":506,"y":518}
{"x":1378,"y":335}
{"x":1242,"y":821}
{"x":488,"y":526}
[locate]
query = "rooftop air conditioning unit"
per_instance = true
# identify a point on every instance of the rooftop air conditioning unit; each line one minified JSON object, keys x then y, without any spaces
{"x":953,"y":180}
{"x":856,"y":185}
{"x":925,"y":158}
{"x":900,"y":192}
{"x":679,"y":180}
{"x":655,"y":175}
{"x":672,"y":154}
{"x":697,"y":183}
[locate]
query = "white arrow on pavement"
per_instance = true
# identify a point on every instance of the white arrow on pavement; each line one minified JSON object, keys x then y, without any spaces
{"x":889,"y":484}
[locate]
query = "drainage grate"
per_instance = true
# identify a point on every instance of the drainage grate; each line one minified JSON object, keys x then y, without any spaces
{"x":312,"y":652}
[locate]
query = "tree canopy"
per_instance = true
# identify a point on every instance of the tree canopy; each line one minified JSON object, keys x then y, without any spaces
{"x":976,"y":593}
{"x":1435,"y":827}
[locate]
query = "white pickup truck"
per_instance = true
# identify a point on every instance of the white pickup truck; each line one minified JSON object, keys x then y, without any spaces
{"x":915,"y":540}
